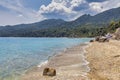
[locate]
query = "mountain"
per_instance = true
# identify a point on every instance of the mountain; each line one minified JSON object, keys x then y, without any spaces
{"x":17,"y":30}
{"x":101,"y":18}
{"x":59,"y":27}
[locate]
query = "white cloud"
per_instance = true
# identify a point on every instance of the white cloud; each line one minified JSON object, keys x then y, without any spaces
{"x":24,"y":15}
{"x":102,"y":6}
{"x":96,"y":6}
{"x":76,"y":3}
{"x":71,"y":9}
{"x":53,"y":7}
{"x":20,"y":15}
{"x":61,"y":9}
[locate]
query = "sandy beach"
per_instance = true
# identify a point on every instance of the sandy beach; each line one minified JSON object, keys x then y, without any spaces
{"x":69,"y":64}
{"x":104,"y":60}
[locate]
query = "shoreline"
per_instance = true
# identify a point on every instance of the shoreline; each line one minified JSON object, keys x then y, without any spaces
{"x":66,"y":68}
{"x":62,"y":52}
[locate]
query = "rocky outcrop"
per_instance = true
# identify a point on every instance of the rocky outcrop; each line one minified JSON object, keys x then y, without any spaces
{"x":101,"y":39}
{"x":117,"y":34}
{"x":104,"y":39}
{"x":49,"y":72}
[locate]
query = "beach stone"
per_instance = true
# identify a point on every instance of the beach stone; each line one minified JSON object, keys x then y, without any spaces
{"x":49,"y":72}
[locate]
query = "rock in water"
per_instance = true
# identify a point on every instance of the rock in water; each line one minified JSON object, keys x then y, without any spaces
{"x":49,"y":72}
{"x":91,"y":40}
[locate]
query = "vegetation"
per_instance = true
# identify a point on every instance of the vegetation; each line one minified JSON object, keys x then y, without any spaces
{"x":79,"y":31}
{"x":84,"y":31}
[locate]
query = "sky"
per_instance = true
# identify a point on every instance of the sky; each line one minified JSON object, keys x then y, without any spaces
{"x":14,"y":12}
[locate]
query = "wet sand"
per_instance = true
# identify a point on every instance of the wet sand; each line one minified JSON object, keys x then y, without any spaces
{"x":104,"y":60}
{"x":69,"y":64}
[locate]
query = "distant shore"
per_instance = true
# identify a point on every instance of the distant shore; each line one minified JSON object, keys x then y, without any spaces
{"x":69,"y":64}
{"x":104,"y":60}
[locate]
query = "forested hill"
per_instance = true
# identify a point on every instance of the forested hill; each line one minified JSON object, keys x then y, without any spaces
{"x":84,"y":26}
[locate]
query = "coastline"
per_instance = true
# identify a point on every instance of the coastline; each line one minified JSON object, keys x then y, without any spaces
{"x":104,"y":60}
{"x":70,"y":64}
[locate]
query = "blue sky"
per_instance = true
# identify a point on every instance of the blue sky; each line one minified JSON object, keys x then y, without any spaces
{"x":35,"y":4}
{"x":14,"y":12}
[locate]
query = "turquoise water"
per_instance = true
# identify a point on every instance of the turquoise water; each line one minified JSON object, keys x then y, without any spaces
{"x":20,"y":54}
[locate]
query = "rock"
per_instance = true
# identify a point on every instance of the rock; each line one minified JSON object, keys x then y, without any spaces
{"x":45,"y":71}
{"x":97,"y":38}
{"x":117,"y":34}
{"x":117,"y":56}
{"x":91,"y":40}
{"x":109,"y":36}
{"x":49,"y":72}
{"x":102,"y":39}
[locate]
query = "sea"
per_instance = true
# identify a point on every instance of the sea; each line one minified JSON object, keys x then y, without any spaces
{"x":17,"y":54}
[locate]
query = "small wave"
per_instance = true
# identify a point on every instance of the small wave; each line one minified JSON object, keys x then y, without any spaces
{"x":43,"y":63}
{"x":86,"y":62}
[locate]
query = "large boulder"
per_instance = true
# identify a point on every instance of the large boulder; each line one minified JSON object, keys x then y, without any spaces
{"x":49,"y":72}
{"x":117,"y":34}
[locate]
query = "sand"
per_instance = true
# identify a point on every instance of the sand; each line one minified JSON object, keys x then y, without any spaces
{"x":104,"y":60}
{"x":69,"y":64}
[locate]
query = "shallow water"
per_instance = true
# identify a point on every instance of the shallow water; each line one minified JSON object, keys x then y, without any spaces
{"x":20,"y":54}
